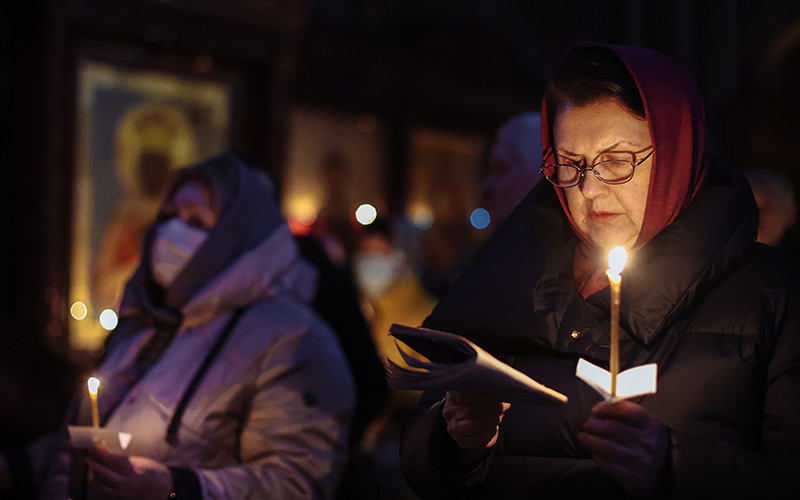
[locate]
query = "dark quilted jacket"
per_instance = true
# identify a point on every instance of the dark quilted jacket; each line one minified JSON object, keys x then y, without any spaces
{"x":716,"y":311}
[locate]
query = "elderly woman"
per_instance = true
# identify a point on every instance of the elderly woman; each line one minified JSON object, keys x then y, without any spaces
{"x":624,"y":151}
{"x":228,"y":382}
{"x":513,"y":167}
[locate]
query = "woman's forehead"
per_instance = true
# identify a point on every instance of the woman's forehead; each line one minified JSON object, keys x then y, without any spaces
{"x":193,"y":192}
{"x":603,"y":125}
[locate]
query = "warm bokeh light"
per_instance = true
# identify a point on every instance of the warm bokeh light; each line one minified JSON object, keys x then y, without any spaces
{"x":616,"y":262}
{"x":303,"y":209}
{"x":366,"y":214}
{"x":423,"y":219}
{"x":94,"y":384}
{"x":108,"y":319}
{"x":78,"y":310}
{"x":480,"y":218}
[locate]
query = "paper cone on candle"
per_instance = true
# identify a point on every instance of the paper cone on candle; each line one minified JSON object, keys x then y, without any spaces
{"x":633,"y":382}
{"x":84,"y":436}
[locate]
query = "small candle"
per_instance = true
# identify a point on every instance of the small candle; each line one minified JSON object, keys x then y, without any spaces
{"x":94,"y":384}
{"x":616,"y":261}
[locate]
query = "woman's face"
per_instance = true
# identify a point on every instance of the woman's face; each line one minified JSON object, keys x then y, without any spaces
{"x":192,"y":202}
{"x":609,"y":215}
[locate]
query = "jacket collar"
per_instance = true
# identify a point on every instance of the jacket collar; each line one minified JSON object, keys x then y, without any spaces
{"x":272,"y":269}
{"x":675,"y":270}
{"x":519,"y":290}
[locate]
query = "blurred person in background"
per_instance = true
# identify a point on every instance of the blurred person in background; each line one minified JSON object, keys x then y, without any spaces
{"x":514,"y":164}
{"x":391,"y":293}
{"x":228,"y":381}
{"x":777,"y":211}
{"x":776,"y":205}
{"x":337,"y":302}
{"x":512,"y":170}
{"x":777,"y":208}
{"x":390,"y":289}
{"x":334,"y":225}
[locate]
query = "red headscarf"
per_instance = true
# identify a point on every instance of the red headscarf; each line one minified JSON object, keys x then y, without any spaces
{"x":675,"y":116}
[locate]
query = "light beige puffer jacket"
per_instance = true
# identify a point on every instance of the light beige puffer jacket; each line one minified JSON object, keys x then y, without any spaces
{"x":270,"y":417}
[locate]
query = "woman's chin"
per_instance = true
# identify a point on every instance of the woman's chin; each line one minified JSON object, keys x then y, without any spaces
{"x":606,"y":240}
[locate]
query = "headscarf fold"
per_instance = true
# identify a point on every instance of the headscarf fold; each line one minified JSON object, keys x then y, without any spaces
{"x":248,"y":215}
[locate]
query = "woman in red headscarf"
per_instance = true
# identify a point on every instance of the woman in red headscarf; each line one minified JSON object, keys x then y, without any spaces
{"x":624,"y":151}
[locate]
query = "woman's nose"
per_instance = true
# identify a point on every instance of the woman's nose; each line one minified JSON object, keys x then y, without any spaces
{"x":591,"y":187}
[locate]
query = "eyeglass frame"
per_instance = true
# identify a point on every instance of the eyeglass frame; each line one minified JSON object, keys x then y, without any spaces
{"x":582,"y":171}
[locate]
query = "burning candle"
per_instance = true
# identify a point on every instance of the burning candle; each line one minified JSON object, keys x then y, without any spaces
{"x":616,"y":261}
{"x":94,"y":384}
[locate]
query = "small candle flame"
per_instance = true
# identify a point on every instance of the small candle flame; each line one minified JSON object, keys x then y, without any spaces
{"x":93,"y":384}
{"x":616,"y":261}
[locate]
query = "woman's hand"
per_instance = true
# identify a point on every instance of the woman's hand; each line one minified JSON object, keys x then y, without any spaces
{"x":124,"y":477}
{"x":473,"y":421}
{"x":628,"y":445}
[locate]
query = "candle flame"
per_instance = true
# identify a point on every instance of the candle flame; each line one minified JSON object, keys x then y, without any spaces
{"x":93,"y":384}
{"x":616,"y":261}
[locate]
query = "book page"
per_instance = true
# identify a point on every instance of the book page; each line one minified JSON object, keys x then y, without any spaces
{"x":455,"y":363}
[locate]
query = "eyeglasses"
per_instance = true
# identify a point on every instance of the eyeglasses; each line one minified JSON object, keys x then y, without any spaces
{"x":566,"y":175}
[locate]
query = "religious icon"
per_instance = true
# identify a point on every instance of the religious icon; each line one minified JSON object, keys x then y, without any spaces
{"x":134,"y":127}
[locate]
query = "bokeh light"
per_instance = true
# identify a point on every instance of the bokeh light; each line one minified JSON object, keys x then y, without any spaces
{"x":78,"y":310}
{"x":302,"y":209}
{"x":108,"y":319}
{"x":480,"y":218}
{"x":423,"y":219}
{"x":366,"y":214}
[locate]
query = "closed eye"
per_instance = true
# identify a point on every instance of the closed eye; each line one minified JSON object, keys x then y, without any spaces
{"x":617,"y":156}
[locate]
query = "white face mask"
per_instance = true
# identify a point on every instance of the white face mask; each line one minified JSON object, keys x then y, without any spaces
{"x":174,"y":245}
{"x":375,"y":272}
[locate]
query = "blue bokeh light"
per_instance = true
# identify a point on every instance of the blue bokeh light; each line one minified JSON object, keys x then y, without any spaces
{"x":480,"y":218}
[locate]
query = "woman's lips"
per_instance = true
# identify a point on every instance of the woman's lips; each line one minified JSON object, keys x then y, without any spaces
{"x":602,"y":217}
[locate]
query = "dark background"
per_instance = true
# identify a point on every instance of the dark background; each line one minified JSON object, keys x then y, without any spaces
{"x":453,"y":65}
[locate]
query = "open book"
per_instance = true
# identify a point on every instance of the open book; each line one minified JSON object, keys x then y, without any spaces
{"x":632,"y":382}
{"x":455,"y":363}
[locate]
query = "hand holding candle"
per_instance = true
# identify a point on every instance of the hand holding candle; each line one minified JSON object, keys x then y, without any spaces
{"x":616,"y":261}
{"x":94,"y":384}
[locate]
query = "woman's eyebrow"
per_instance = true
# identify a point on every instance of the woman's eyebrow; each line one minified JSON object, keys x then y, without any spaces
{"x":604,"y":150}
{"x":615,"y":146}
{"x":564,"y":152}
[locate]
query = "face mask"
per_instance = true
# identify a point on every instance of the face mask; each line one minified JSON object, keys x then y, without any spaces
{"x":174,"y":245}
{"x":375,"y":272}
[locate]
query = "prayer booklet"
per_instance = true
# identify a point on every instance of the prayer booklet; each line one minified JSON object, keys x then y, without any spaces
{"x":456,"y":364}
{"x":632,"y":382}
